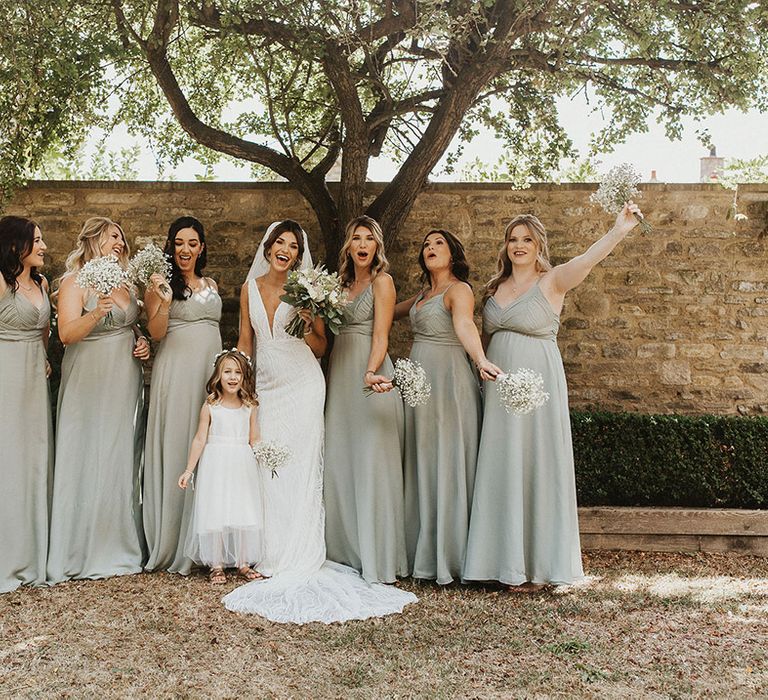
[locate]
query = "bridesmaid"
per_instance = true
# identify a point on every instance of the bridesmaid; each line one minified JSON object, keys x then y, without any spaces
{"x":185,"y":319}
{"x":364,"y":525}
{"x":95,"y":516}
{"x":441,"y":437}
{"x":524,"y":530}
{"x":26,"y":433}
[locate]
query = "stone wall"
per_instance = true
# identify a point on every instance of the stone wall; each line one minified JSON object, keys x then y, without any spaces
{"x":674,"y":321}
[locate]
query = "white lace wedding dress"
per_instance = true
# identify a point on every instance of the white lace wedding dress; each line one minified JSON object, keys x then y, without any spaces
{"x":303,"y":587}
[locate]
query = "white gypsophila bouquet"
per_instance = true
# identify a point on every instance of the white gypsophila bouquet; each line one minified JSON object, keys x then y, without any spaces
{"x":522,"y":391}
{"x":620,"y":186}
{"x":410,"y":379}
{"x":320,"y":292}
{"x":271,"y":455}
{"x":148,"y":261}
{"x":103,"y":275}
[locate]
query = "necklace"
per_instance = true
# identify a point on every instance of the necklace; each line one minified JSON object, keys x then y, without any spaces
{"x":29,"y":289}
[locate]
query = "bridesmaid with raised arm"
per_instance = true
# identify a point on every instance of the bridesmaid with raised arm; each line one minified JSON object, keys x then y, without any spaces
{"x":184,"y":317}
{"x":524,"y":530}
{"x":26,"y":433}
{"x":95,"y":516}
{"x":363,"y":485}
{"x":441,"y":436}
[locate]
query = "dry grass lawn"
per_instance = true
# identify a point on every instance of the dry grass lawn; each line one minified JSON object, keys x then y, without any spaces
{"x":643,"y":625}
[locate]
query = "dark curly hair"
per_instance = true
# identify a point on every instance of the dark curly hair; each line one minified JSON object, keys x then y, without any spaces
{"x":179,"y":286}
{"x":459,"y":264}
{"x":17,"y":236}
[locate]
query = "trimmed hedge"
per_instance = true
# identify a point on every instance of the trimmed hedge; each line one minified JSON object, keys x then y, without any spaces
{"x":632,"y":459}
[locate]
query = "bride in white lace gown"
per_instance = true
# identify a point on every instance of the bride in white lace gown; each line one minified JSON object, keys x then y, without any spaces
{"x":303,"y":586}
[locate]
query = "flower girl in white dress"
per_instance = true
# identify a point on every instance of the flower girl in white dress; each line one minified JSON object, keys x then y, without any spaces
{"x":227,"y":524}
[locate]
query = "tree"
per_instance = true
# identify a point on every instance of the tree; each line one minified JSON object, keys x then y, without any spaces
{"x":742,"y":171}
{"x":520,"y":170}
{"x":76,"y":164}
{"x":291,"y":84}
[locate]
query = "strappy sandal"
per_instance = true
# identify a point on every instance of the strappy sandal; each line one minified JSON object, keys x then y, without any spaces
{"x":217,"y":576}
{"x":249,"y":574}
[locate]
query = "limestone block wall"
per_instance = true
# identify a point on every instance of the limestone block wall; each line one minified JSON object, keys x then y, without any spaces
{"x":673,"y":321}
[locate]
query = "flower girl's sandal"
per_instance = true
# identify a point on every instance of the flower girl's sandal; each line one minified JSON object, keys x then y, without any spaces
{"x":217,"y":575}
{"x":247,"y":573}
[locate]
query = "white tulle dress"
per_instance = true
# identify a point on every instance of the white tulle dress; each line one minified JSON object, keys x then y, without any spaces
{"x":227,"y":524}
{"x":303,"y":587}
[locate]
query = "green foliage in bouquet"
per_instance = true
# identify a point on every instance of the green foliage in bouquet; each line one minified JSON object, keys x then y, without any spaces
{"x":631,"y":459}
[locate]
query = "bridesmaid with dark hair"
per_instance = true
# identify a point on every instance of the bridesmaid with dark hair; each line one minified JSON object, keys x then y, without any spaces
{"x":363,"y":479}
{"x":185,"y":320}
{"x":26,"y":433}
{"x":441,"y":436}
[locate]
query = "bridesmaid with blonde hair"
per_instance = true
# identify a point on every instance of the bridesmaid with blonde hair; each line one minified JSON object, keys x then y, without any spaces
{"x":363,"y":481}
{"x":95,"y":516}
{"x":183,"y":317}
{"x":524,"y":530}
{"x":26,"y":433}
{"x":441,"y":436}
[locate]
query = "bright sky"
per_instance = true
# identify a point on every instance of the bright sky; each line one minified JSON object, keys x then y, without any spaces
{"x":735,"y":134}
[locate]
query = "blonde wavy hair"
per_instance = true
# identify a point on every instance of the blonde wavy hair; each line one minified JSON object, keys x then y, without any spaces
{"x":346,"y":264}
{"x":504,"y":264}
{"x":89,"y":242}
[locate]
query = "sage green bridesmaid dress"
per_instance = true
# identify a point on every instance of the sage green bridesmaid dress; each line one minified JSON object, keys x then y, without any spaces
{"x":26,"y":440}
{"x":524,"y":521}
{"x":96,"y":516}
{"x":182,"y":365}
{"x":441,"y":439}
{"x":363,"y":478}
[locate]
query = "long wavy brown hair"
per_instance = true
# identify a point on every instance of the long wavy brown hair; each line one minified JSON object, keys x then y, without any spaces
{"x":346,"y":264}
{"x":504,"y":264}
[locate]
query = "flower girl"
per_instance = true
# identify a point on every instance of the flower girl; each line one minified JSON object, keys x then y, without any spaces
{"x":226,"y":528}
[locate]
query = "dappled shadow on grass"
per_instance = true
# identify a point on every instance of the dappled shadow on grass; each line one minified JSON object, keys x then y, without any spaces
{"x":641,"y":625}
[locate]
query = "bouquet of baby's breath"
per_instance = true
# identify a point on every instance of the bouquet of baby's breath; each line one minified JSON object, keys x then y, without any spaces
{"x":410,"y":379}
{"x":148,"y":261}
{"x":618,"y":187}
{"x":319,"y":291}
{"x":103,"y":275}
{"x":522,"y":391}
{"x":271,"y":455}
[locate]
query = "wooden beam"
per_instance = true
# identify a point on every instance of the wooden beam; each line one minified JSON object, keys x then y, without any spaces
{"x":674,"y":521}
{"x":756,"y":546}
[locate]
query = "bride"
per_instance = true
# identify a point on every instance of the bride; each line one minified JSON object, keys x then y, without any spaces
{"x":303,"y":586}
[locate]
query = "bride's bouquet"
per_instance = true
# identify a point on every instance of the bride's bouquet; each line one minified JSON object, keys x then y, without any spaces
{"x":104,"y":275}
{"x":410,"y":379}
{"x":271,"y":455}
{"x":522,"y":391}
{"x":148,"y":261}
{"x":320,"y":292}
{"x":618,"y":187}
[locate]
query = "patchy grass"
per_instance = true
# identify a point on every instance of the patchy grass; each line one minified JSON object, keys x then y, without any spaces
{"x":642,"y":625}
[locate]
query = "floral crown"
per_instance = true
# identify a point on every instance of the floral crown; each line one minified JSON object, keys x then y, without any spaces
{"x":227,"y":352}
